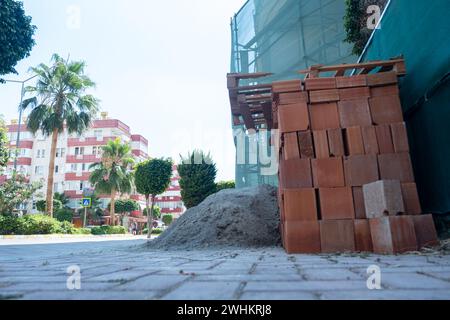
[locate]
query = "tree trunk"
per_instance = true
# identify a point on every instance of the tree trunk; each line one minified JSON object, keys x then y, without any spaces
{"x":112,"y":209}
{"x":149,"y":217}
{"x":51,"y":173}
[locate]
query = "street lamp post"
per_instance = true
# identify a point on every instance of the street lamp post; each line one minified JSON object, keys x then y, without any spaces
{"x":22,"y":93}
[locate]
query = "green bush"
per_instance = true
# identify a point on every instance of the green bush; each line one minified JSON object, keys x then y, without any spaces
{"x":40,"y":224}
{"x":103,"y":230}
{"x":41,"y":205}
{"x":167,"y":219}
{"x":10,"y":225}
{"x":154,"y":231}
{"x":83,"y":231}
{"x":64,"y":214}
{"x":37,"y":224}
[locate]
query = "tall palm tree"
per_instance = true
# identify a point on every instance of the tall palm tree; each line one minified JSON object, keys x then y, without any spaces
{"x":113,"y":174}
{"x":60,"y":102}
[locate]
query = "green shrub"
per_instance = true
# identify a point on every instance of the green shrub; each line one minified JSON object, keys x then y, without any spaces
{"x":68,"y":228}
{"x":167,"y":219}
{"x":157,"y":231}
{"x":103,"y":230}
{"x":83,"y":231}
{"x":10,"y":225}
{"x":40,"y":224}
{"x":64,"y":214}
{"x":37,"y":224}
{"x":41,"y":205}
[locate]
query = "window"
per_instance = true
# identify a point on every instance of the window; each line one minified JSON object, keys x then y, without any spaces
{"x":83,"y":167}
{"x":60,"y":152}
{"x":74,"y":167}
{"x":43,"y":153}
{"x":94,"y":150}
{"x":56,"y":169}
{"x":39,"y":170}
{"x":79,"y":151}
{"x":38,"y":153}
{"x":98,"y":134}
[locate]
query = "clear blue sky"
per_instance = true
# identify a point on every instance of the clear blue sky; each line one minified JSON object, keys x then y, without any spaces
{"x":160,"y":66}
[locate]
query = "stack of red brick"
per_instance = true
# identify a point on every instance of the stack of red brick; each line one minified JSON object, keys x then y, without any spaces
{"x":339,"y":134}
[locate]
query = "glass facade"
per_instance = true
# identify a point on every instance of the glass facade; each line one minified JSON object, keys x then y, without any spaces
{"x":283,"y":37}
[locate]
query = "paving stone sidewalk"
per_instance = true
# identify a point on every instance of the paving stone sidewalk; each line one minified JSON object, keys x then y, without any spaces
{"x":123,"y":270}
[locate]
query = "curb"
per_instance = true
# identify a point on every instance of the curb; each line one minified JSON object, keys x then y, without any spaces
{"x":61,"y":236}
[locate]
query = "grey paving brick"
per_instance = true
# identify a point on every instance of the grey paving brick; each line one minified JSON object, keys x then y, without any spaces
{"x":306,"y":285}
{"x":275,"y":295}
{"x":196,"y":290}
{"x":412,"y":281}
{"x":330,"y":274}
{"x":153,"y":283}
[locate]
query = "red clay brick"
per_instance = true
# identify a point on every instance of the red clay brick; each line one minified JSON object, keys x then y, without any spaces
{"x":295,"y":173}
{"x":291,"y":149}
{"x":382,"y":79}
{"x":320,"y":83}
{"x":305,"y":141}
{"x":370,"y":140}
{"x":400,"y":137}
{"x":386,"y":110}
{"x":350,"y":82}
{"x":354,"y":141}
{"x":384,"y":91}
{"x":361,"y":170}
{"x":358,"y":202}
{"x":354,"y":113}
{"x":337,"y":236}
{"x":321,"y":96}
{"x":324,"y":116}
{"x":302,"y":237}
{"x":384,"y":138}
{"x":300,"y":204}
{"x":363,"y":237}
{"x":392,"y":235}
{"x":287,"y":86}
{"x":425,"y":231}
{"x":354,"y":93}
{"x":321,"y":144}
{"x":336,"y":142}
{"x":328,"y":173}
{"x":411,"y":199}
{"x":336,"y":203}
{"x":293,"y":117}
{"x":292,"y":98}
{"x":396,"y":166}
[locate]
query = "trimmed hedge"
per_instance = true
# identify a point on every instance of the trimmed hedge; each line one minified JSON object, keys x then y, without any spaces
{"x":103,"y":230}
{"x":36,"y":224}
{"x":154,"y":231}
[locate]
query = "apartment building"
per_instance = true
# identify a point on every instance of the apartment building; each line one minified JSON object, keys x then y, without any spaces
{"x":74,"y":155}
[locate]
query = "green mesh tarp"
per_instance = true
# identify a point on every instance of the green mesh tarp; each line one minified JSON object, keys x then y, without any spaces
{"x":283,"y":37}
{"x":420,"y":30}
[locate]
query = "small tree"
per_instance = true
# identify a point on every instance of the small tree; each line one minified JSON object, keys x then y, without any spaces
{"x":167,"y":219}
{"x":156,"y":212}
{"x":4,"y":151}
{"x":198,"y":175}
{"x":222,"y":185}
{"x":15,"y":192}
{"x":152,"y":178}
{"x":41,"y":205}
{"x":16,"y":40}
{"x":112,"y":175}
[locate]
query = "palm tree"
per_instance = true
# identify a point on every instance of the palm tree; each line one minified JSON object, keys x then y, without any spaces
{"x":60,"y":102}
{"x":113,"y":174}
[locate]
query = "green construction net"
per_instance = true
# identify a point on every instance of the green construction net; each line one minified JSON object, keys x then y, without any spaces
{"x":420,"y":31}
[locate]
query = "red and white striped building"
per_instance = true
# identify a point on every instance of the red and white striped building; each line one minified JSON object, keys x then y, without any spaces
{"x":74,"y":155}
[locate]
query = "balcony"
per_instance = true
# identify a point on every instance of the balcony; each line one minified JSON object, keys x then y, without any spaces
{"x":22,"y":144}
{"x":168,"y":199}
{"x":83,"y":159}
{"x":77,"y":176}
{"x":21,"y":161}
{"x":170,"y":210}
{"x":91,"y":141}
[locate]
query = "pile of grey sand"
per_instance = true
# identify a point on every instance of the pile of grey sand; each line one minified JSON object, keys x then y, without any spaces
{"x":234,"y":218}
